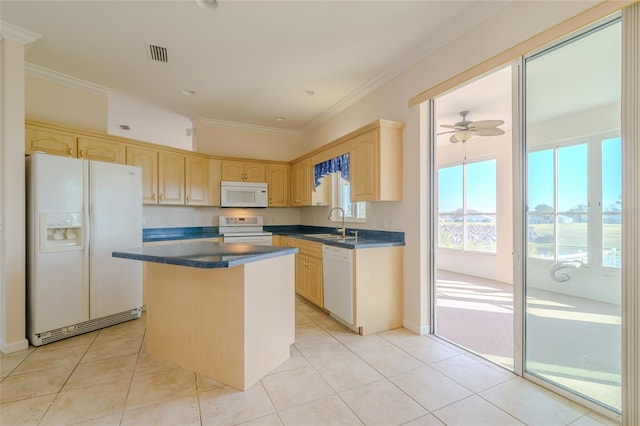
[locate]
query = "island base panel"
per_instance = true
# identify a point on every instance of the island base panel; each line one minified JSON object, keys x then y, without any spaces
{"x":233,"y":325}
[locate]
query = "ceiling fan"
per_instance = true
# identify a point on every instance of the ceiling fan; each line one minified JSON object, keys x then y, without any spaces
{"x":465,"y":130}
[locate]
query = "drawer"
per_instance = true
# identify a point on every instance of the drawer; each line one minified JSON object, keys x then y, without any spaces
{"x":309,"y":248}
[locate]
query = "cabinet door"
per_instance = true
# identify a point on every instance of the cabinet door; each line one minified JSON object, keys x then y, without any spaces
{"x":147,"y":159}
{"x":232,"y":170}
{"x":197,"y":181}
{"x":278,"y":180}
{"x":171,"y":178}
{"x":294,"y":196}
{"x":49,"y":141}
{"x":315,"y":288}
{"x":306,"y":181}
{"x":214,"y":182}
{"x":101,"y":150}
{"x":255,"y":172}
{"x":301,"y":182}
{"x":365,"y":170}
{"x":301,"y":275}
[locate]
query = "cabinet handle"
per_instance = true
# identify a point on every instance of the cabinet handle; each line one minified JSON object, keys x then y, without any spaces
{"x":161,"y":198}
{"x":70,"y":152}
{"x":82,"y":153}
{"x":153,"y":196}
{"x":188,"y":198}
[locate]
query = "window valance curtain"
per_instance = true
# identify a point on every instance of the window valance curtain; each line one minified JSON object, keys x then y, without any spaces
{"x":337,"y":164}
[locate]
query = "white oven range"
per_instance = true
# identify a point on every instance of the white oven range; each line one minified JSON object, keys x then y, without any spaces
{"x":243,"y":229}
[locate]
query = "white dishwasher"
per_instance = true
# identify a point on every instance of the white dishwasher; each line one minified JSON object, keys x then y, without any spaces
{"x":337,"y":268}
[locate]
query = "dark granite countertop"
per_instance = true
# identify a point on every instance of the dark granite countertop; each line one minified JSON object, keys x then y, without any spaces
{"x":366,"y":238}
{"x":205,"y":254}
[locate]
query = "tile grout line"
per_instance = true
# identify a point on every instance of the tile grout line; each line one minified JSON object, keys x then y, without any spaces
{"x":133,"y":374}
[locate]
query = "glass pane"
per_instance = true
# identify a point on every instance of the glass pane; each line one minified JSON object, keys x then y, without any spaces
{"x":612,"y":240}
{"x":611,"y":175}
{"x":450,"y":190}
{"x":572,"y":238}
{"x":450,"y":232}
{"x":541,"y":244}
{"x":481,"y":187}
{"x":572,"y":178}
{"x":481,"y":233}
{"x":572,"y":312}
{"x":541,"y":181}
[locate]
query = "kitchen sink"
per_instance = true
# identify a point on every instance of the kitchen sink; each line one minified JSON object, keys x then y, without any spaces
{"x":331,"y":236}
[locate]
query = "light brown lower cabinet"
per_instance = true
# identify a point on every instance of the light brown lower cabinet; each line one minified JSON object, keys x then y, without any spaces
{"x":378,"y":279}
{"x":308,"y":269}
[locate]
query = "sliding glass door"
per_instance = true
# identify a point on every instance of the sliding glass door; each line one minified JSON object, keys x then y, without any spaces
{"x":573,"y":217}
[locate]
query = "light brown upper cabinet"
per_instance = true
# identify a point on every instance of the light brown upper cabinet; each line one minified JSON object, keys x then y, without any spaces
{"x":376,"y":163}
{"x":301,"y":181}
{"x":147,"y":160}
{"x":171,"y":178}
{"x":278,"y":181}
{"x":58,"y":141}
{"x":91,"y":148}
{"x":243,"y":171}
{"x":50,"y":141}
{"x":197,"y":181}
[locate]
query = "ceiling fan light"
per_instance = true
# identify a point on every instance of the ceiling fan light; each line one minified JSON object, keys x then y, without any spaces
{"x":463,"y":135}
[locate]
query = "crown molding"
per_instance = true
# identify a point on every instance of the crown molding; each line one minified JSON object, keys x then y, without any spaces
{"x":15,"y":33}
{"x":347,"y":101}
{"x":248,"y":127}
{"x":67,"y":80}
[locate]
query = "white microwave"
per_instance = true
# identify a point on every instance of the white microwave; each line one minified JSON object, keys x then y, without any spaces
{"x":243,"y":194}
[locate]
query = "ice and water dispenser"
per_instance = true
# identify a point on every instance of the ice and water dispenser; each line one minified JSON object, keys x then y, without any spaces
{"x":60,"y":231}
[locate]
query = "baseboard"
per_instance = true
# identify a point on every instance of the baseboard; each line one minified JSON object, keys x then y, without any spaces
{"x":421,"y":330}
{"x":20,"y":345}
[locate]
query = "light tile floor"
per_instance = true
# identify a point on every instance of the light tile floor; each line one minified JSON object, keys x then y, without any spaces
{"x":334,"y":377}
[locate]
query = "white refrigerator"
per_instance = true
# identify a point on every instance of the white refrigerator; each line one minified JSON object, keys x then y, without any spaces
{"x":78,"y":213}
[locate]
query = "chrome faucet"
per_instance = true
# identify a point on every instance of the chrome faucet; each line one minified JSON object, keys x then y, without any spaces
{"x":342,"y":229}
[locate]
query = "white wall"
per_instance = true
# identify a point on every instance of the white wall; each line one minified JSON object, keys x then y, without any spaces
{"x":51,"y":101}
{"x":12,"y":199}
{"x":178,"y":216}
{"x":148,"y":123}
{"x":225,"y":140}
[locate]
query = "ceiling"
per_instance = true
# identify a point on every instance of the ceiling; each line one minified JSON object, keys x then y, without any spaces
{"x":560,"y":83}
{"x":248,"y":62}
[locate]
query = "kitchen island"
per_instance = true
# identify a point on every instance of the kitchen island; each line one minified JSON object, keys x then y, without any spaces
{"x":226,"y":311}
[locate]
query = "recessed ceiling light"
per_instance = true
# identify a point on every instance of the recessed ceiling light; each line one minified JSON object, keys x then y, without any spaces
{"x":308,"y":93}
{"x":187,"y":92}
{"x":280,"y":119}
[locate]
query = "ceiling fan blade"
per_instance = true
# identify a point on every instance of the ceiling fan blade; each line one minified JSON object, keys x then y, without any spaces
{"x":493,"y":131}
{"x":485,"y":124}
{"x":453,"y":139}
{"x":452,"y":126}
{"x":446,"y":133}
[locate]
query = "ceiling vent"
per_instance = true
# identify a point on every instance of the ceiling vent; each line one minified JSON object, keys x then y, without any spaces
{"x":157,"y":53}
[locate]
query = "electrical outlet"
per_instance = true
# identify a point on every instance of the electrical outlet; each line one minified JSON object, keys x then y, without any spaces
{"x":373,"y":222}
{"x":387,"y":223}
{"x":396,"y":224}
{"x":194,"y":220}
